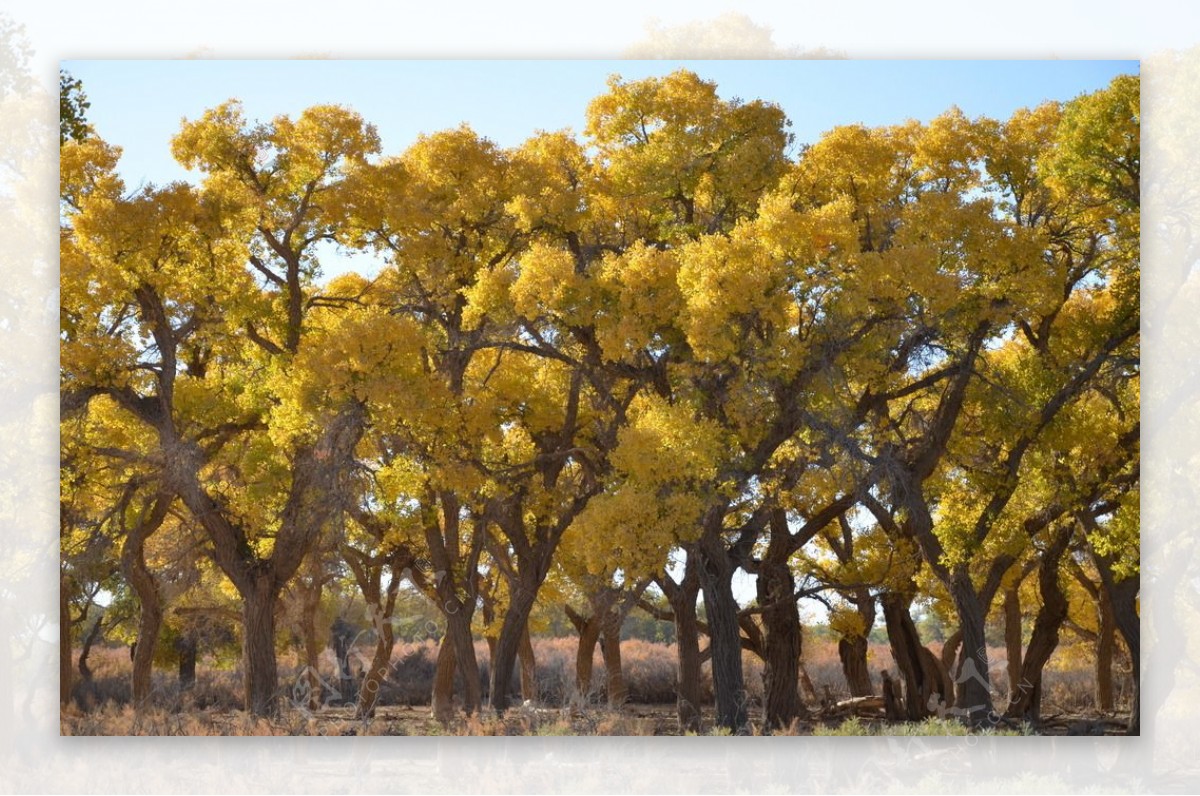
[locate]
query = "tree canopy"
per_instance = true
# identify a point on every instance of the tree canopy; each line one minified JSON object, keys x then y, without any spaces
{"x":898,"y":364}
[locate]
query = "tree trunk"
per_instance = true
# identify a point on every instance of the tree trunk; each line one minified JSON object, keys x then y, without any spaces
{"x":589,"y":634}
{"x":781,"y":623}
{"x":1026,"y":704}
{"x":853,"y":651}
{"x":258,"y":647}
{"x":150,"y":614}
{"x":309,"y":587}
{"x":343,"y":639}
{"x":924,"y":686}
{"x":1105,"y":644}
{"x":93,"y":635}
{"x":610,"y":646}
{"x":893,"y":704}
{"x":687,"y":645}
{"x":511,"y":632}
{"x":1123,"y":599}
{"x":725,"y":638}
{"x":853,"y":654}
{"x":368,"y":696}
{"x":528,"y":667}
{"x":1012,"y":638}
{"x":950,"y":652}
{"x":65,"y":668}
{"x":806,"y":685}
{"x":973,"y":686}
{"x":443,"y":682}
{"x":187,"y":646}
{"x":458,"y":629}
{"x":312,"y":648}
{"x":951,"y":662}
{"x":1126,"y":618}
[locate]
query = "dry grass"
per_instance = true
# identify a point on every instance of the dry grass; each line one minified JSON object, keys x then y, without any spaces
{"x":213,"y":706}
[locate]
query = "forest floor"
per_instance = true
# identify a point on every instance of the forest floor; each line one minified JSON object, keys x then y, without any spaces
{"x":101,"y":706}
{"x":417,"y":720}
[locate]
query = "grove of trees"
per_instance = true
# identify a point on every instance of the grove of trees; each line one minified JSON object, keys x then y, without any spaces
{"x":610,"y":370}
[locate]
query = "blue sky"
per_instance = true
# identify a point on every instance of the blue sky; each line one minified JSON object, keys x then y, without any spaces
{"x":138,"y":105}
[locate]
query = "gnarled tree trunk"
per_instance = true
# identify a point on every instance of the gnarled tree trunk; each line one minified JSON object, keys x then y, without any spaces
{"x":258,"y":646}
{"x":528,"y":667}
{"x":853,"y":655}
{"x":150,"y":615}
{"x":368,"y":696}
{"x":589,"y":634}
{"x":1106,"y":641}
{"x":782,"y":641}
{"x":1012,"y":638}
{"x":512,"y":632}
{"x":443,"y":682}
{"x":853,"y":651}
{"x":312,"y":650}
{"x":1026,"y":702}
{"x":188,"y":647}
{"x":725,"y":637}
{"x":925,"y":683}
{"x":1123,"y":596}
{"x":973,"y":695}
{"x":65,"y":668}
{"x":85,"y":671}
{"x":682,"y":597}
{"x":458,"y":629}
{"x":610,"y":647}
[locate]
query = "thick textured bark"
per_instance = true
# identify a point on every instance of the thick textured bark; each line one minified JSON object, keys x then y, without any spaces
{"x":610,"y":646}
{"x":443,"y":682}
{"x":682,"y":598}
{"x":150,"y":616}
{"x":924,"y":681}
{"x":312,"y":648}
{"x":589,"y":634}
{"x":853,"y":651}
{"x":528,"y":667}
{"x":951,"y":662}
{"x":368,"y":696}
{"x":806,"y":685}
{"x":458,"y":629}
{"x":258,"y":647}
{"x":309,"y":587}
{"x":893,"y":703}
{"x":65,"y":668}
{"x":507,"y":645}
{"x":782,"y":642}
{"x":139,"y":577}
{"x":454,"y":588}
{"x":1026,"y":703}
{"x":1126,"y":617}
{"x":853,"y":654}
{"x":85,"y":671}
{"x":1012,"y":638}
{"x":973,"y":696}
{"x":187,"y":647}
{"x":1123,"y":596}
{"x":725,"y":638}
{"x":149,"y":623}
{"x":1105,"y":645}
{"x":950,"y":652}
